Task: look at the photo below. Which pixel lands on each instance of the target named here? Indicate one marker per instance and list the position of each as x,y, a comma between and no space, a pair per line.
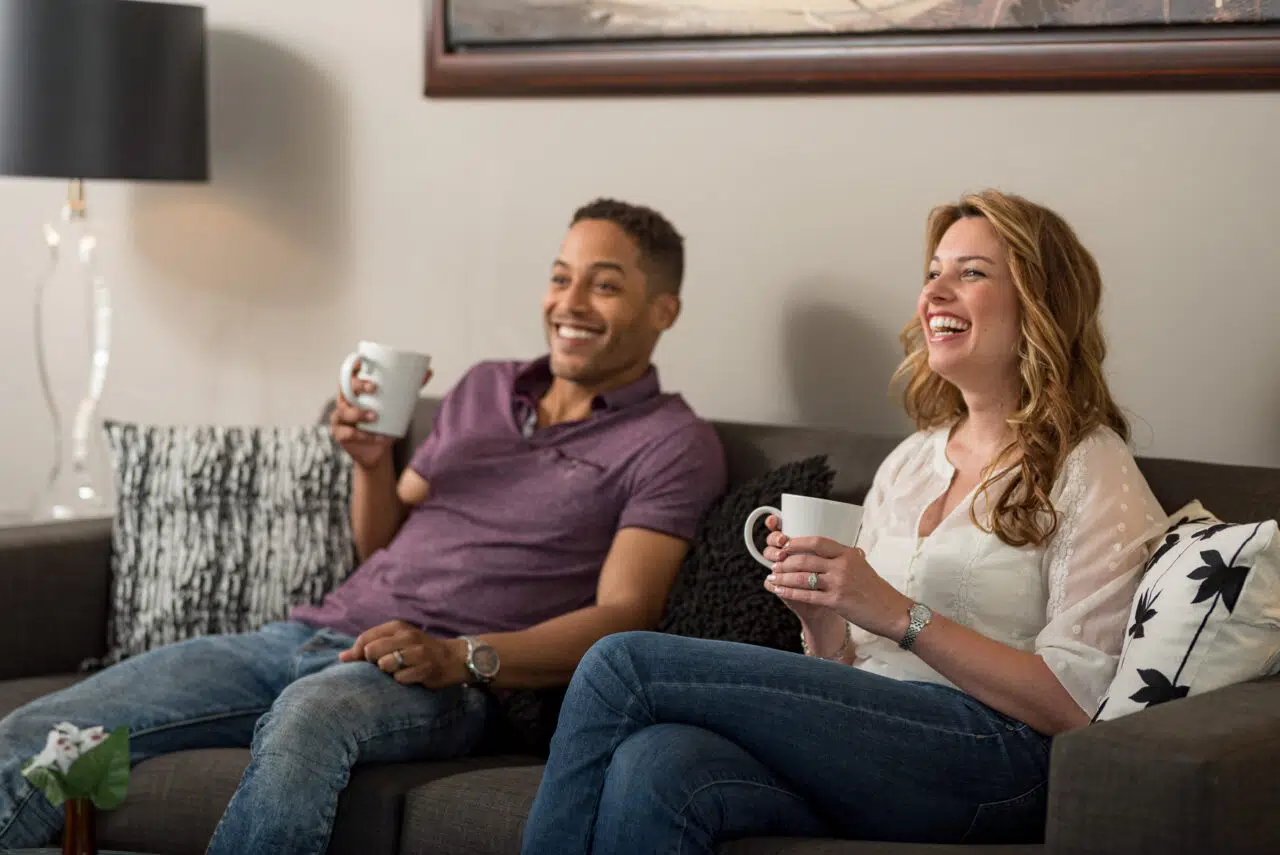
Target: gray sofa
1193,776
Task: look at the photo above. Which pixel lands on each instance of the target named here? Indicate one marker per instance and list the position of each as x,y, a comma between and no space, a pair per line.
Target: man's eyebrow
595,265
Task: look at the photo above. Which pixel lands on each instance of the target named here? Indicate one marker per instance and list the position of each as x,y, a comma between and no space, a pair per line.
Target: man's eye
560,280
607,286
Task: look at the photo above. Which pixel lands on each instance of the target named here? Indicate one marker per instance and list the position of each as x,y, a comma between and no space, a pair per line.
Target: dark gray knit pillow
719,592
222,529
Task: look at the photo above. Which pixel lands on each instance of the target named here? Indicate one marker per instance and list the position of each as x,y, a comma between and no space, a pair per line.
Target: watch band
920,616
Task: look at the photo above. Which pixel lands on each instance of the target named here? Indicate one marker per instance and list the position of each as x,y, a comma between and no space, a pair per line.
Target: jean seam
830,701
977,812
684,819
17,811
205,719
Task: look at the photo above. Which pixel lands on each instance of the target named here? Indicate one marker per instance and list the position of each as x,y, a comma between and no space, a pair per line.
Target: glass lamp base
72,369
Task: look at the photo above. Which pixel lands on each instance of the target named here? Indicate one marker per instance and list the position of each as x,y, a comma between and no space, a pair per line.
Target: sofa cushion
15,693
484,812
175,802
222,529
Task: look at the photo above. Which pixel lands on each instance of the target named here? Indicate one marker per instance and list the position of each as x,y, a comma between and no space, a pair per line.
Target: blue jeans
280,691
671,745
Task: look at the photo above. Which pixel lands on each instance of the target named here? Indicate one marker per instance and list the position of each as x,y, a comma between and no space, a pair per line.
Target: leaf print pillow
1206,614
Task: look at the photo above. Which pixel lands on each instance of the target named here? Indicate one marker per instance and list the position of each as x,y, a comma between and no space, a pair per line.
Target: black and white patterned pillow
222,529
1206,614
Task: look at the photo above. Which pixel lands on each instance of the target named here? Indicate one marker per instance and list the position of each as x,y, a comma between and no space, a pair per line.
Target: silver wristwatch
921,616
482,660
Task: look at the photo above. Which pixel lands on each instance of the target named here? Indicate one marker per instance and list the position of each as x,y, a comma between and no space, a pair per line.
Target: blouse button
1075,630
1116,547
1115,564
1124,470
1120,527
1124,506
1124,487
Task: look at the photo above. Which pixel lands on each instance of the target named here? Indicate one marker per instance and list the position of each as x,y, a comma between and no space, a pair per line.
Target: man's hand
366,449
431,662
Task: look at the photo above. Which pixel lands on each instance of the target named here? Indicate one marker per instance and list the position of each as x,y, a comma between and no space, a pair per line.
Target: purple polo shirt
518,521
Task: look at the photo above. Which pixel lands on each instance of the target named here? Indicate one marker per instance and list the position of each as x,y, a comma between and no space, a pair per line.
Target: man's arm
631,593
379,505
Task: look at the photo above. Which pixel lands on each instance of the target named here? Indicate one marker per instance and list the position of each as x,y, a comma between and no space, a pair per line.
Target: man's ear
664,310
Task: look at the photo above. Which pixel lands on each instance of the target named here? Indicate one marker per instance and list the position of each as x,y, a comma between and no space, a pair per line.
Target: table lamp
94,89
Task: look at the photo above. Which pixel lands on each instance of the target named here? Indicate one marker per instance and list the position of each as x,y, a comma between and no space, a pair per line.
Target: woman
981,614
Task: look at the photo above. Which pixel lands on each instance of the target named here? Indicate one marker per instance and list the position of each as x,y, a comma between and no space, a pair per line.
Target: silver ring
400,663
813,581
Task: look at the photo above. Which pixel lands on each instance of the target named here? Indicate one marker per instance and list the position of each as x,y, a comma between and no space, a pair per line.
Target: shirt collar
534,379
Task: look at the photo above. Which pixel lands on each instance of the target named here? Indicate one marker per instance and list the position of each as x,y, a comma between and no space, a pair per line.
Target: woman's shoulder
1101,462
1103,448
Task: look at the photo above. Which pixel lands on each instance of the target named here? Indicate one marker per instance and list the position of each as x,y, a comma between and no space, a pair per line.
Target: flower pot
78,835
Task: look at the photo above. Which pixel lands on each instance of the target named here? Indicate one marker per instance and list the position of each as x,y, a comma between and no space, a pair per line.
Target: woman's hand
824,630
816,573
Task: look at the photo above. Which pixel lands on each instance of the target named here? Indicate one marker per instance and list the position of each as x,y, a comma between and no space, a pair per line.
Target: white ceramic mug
805,516
398,375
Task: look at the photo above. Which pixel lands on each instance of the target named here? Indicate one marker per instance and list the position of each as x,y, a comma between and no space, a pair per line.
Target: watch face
485,661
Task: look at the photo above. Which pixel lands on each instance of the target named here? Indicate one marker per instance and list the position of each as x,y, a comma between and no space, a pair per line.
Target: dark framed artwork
574,47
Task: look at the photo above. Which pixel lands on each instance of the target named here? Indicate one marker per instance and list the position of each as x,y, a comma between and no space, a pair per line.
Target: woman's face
969,310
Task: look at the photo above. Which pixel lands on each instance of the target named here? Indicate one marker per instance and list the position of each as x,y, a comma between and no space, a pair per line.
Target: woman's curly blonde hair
1063,395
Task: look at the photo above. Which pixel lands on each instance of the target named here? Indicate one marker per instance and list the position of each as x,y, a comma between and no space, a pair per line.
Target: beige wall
344,204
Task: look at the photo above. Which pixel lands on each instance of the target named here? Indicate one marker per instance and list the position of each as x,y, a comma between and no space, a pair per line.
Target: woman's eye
972,273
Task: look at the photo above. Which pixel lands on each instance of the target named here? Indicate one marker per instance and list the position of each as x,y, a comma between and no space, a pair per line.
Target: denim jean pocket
1017,820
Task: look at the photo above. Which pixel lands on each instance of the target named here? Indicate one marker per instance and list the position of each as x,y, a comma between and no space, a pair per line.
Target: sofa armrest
55,583
1191,776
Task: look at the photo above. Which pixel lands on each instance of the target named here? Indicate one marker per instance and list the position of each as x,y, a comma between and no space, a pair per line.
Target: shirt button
1075,630
1124,470
1120,527
1124,487
1124,506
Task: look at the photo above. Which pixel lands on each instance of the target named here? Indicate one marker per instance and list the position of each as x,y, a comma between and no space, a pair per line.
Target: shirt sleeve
676,481
1108,519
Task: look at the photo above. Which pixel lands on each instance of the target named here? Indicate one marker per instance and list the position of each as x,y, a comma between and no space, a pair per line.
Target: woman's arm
1013,682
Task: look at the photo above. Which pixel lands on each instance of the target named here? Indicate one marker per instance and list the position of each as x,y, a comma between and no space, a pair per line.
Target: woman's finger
772,523
821,546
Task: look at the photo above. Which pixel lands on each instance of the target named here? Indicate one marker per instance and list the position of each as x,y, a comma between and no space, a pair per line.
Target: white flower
64,746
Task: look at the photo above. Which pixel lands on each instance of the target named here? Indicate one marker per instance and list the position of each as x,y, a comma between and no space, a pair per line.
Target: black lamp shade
103,89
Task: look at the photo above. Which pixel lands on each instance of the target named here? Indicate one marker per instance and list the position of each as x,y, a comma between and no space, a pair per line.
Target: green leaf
49,782
102,773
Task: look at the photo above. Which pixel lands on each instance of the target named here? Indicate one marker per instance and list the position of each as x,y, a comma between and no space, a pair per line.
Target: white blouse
1067,600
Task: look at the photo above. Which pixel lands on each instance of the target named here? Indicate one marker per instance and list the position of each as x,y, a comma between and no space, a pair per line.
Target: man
550,506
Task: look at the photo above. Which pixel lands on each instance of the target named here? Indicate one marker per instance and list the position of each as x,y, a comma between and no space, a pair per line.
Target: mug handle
748,531
344,378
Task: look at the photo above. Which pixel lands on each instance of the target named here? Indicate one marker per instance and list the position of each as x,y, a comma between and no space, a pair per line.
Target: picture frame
1209,56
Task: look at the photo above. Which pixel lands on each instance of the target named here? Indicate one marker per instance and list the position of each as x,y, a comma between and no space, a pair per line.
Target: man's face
601,321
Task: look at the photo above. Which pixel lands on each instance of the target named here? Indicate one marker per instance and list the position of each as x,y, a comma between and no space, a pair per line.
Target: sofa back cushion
1235,493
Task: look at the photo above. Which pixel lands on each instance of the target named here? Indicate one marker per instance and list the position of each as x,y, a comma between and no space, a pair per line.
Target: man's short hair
661,246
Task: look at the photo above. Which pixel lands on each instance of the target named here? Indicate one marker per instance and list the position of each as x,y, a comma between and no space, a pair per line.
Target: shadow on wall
840,368
271,227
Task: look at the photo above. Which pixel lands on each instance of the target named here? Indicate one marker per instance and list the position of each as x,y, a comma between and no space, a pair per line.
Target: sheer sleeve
1107,521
